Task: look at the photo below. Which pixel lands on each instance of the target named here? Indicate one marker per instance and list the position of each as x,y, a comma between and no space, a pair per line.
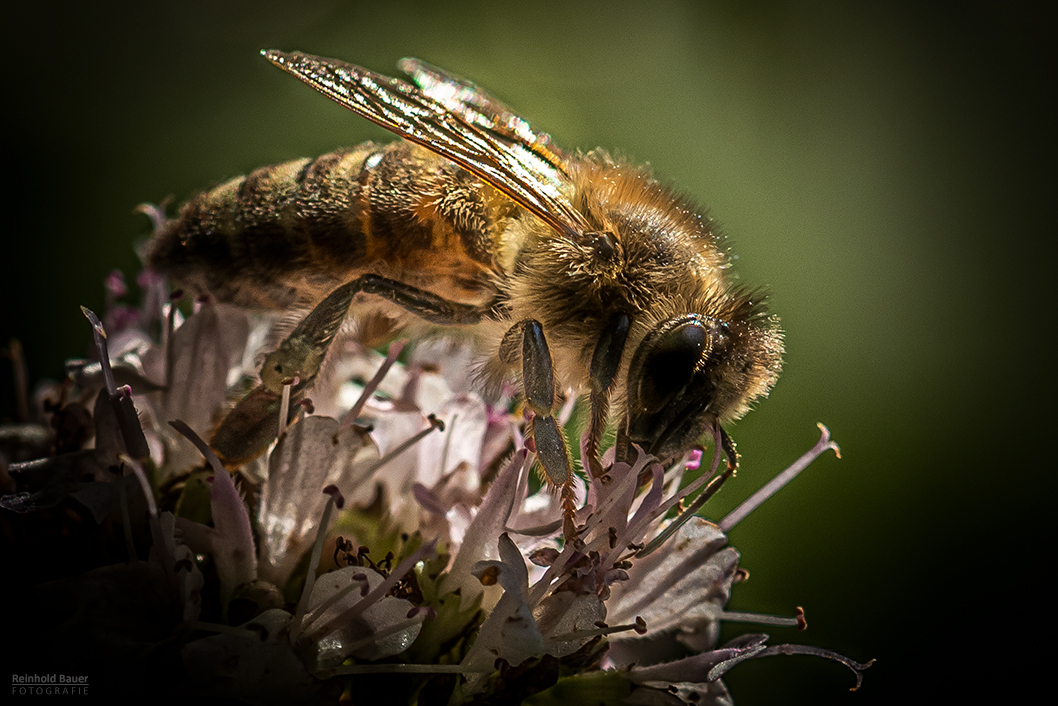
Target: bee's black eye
672,382
670,363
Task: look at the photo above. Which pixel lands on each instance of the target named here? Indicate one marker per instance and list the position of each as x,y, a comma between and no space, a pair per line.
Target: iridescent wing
478,107
456,120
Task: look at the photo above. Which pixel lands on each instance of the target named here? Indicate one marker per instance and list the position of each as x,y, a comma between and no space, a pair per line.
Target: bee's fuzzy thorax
660,259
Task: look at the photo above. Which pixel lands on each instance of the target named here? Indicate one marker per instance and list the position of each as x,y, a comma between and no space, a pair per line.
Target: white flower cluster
390,531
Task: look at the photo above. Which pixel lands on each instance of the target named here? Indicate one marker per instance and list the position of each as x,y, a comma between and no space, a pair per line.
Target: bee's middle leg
538,381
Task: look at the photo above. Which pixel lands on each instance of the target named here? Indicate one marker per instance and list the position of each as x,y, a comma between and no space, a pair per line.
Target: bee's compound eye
669,364
672,382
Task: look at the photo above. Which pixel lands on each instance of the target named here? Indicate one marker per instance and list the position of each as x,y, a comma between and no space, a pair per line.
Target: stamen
693,487
673,477
775,484
99,335
544,556
381,590
646,511
435,423
640,627
124,410
302,408
856,667
762,619
542,588
284,404
411,389
710,490
369,389
317,550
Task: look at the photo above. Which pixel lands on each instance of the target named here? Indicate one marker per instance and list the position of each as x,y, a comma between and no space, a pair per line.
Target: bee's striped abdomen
288,234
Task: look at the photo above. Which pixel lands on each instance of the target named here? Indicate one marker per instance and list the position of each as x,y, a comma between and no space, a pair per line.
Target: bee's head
693,371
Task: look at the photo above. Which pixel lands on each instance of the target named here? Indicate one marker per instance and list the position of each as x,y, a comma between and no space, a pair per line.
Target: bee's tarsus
538,381
551,448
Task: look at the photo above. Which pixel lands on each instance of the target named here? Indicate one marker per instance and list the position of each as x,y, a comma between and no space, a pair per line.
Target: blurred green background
881,169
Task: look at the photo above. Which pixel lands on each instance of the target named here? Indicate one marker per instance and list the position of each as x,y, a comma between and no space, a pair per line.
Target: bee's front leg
538,381
605,362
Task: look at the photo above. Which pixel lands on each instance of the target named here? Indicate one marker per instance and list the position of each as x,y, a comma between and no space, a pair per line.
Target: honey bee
568,270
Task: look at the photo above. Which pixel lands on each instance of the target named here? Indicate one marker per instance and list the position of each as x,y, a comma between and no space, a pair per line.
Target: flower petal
684,588
303,462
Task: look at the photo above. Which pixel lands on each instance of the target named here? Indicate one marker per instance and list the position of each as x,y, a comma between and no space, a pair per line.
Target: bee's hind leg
301,353
538,381
423,304
252,425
